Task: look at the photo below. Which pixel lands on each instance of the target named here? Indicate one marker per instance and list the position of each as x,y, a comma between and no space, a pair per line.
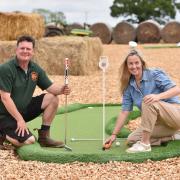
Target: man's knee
15,142
50,99
30,140
53,99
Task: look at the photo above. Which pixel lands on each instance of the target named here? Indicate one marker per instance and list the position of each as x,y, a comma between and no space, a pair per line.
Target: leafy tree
58,18
136,11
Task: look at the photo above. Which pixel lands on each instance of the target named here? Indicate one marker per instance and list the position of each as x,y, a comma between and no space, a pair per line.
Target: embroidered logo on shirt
34,76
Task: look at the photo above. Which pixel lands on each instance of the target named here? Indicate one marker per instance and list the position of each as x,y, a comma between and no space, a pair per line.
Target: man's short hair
26,38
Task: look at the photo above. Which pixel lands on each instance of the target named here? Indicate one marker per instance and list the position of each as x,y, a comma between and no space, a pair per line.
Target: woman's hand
151,98
108,142
111,139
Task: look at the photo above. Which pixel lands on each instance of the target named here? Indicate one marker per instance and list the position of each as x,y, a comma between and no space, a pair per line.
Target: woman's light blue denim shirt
154,81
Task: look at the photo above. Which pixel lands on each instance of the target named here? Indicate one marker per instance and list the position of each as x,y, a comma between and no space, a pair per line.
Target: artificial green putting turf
160,46
85,121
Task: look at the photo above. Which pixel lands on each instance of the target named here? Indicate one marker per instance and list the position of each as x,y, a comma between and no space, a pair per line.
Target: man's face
24,51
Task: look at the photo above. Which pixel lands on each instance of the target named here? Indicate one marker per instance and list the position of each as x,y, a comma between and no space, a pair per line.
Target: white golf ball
117,143
72,139
90,107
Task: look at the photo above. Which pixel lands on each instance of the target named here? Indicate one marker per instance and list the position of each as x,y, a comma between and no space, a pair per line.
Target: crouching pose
18,80
155,95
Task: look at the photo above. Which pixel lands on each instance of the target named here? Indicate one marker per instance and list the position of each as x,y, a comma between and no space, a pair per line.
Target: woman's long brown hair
124,72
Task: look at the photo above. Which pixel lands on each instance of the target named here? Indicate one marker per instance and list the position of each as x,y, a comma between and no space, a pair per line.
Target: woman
155,95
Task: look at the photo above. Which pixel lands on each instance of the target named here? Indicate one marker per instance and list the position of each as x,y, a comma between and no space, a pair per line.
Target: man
18,80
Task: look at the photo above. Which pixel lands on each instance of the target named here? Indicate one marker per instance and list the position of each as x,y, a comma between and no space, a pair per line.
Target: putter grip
66,77
66,71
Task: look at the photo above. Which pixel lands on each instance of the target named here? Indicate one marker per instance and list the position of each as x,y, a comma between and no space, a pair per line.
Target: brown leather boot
45,141
2,139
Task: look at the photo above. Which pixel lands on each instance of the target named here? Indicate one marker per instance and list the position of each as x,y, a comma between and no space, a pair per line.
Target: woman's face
134,65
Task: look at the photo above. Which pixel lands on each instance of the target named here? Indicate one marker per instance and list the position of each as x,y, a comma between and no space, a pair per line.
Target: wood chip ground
88,89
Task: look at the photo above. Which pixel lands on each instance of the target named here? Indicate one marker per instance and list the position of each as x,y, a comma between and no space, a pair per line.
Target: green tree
136,11
58,18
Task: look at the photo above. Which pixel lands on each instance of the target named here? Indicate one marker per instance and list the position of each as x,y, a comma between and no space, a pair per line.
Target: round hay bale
69,27
171,32
123,33
13,25
102,31
148,32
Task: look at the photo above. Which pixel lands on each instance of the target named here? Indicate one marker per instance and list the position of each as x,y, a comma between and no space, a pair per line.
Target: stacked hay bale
171,32
7,50
83,53
103,31
124,32
13,25
148,32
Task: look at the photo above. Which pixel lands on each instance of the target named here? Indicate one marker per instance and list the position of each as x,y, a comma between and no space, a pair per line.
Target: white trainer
176,136
139,147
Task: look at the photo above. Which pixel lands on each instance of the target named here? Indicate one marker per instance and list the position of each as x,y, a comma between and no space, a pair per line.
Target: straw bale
13,25
103,31
148,32
124,32
50,53
7,50
171,32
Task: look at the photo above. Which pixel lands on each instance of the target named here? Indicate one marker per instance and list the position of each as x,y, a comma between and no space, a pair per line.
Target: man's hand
65,90
21,128
151,98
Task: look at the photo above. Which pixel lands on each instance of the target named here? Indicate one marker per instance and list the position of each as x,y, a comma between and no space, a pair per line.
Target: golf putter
65,116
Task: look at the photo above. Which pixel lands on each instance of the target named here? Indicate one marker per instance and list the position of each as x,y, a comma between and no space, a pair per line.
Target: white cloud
75,10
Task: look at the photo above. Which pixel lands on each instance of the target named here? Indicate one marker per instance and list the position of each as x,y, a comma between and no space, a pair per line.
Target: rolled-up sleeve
43,81
127,103
162,80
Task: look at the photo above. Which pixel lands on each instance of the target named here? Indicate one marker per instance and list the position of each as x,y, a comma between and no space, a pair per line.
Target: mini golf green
161,46
85,122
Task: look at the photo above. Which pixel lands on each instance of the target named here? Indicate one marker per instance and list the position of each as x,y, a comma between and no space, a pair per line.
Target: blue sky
80,11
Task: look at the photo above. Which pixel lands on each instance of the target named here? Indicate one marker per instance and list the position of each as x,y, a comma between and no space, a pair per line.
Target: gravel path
87,89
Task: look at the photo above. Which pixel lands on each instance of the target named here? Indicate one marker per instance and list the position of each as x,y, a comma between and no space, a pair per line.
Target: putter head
67,148
107,146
